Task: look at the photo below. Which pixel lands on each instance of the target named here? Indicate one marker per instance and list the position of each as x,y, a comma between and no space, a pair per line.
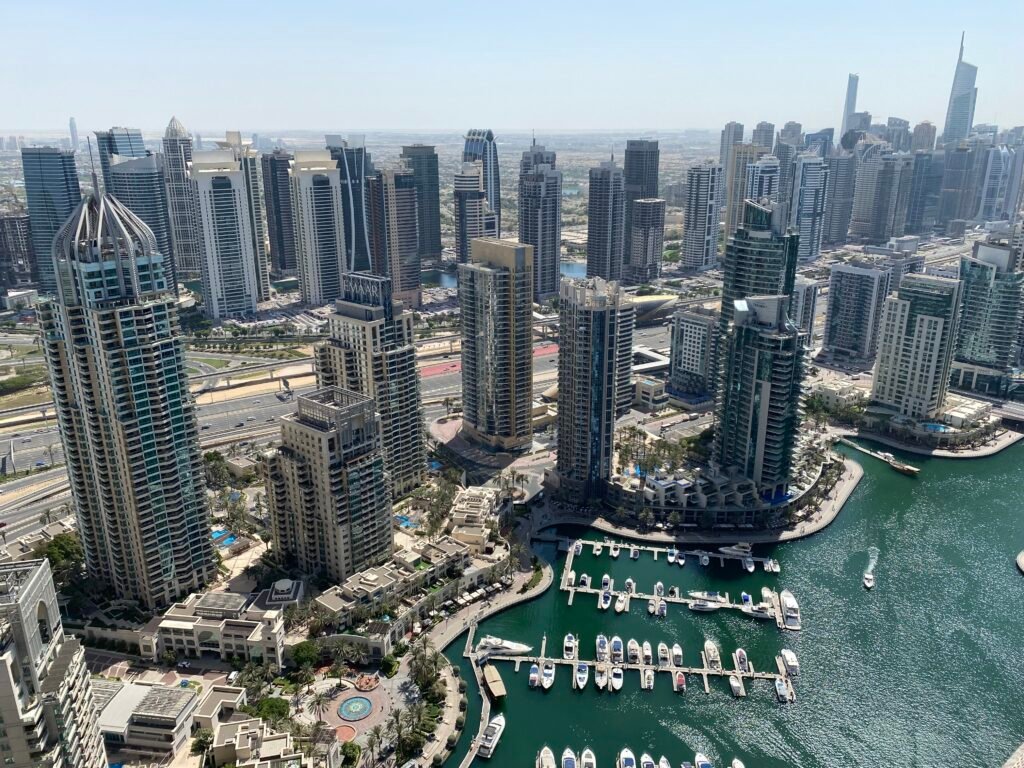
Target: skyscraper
763,179
701,224
52,192
856,293
998,191
962,97
140,183
394,232
694,350
73,130
127,420
126,142
646,237
372,351
820,142
786,155
731,134
473,215
327,491
807,206
481,146
595,360
355,166
319,226
496,305
605,221
758,412
956,196
46,699
916,339
792,133
248,162
17,259
839,195
185,237
882,196
540,217
923,137
925,188
850,103
277,194
764,135
421,159
639,181
736,182
897,133
803,304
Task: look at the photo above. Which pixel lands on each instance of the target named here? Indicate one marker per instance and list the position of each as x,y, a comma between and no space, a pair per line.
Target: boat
704,559
711,597
494,646
663,655
899,466
633,651
615,681
789,660
587,759
759,611
534,675
672,556
664,763
673,591
742,661
585,581
626,759
614,549
647,679
737,763
646,761
712,655
605,600
648,653
681,681
746,599
569,647
620,603
780,690
617,649
869,580
630,585
681,559
652,605
582,676
492,680
568,758
634,553
677,655
699,761
545,758
774,567
598,549
735,685
659,589
662,608
705,606
491,736
601,676
606,582
742,549
577,548
790,610
748,564
547,674
570,578
602,648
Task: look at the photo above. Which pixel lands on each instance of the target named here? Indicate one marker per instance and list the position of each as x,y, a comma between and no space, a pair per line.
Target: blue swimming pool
228,541
223,538
405,522
935,427
218,535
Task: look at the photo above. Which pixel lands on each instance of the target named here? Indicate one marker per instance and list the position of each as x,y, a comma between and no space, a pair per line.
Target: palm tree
307,674
319,704
374,738
396,724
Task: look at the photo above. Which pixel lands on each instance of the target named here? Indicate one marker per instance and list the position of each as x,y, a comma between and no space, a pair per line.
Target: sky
437,64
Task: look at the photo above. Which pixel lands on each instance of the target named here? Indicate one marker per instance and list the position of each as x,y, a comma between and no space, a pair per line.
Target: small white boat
620,603
737,763
585,581
781,691
759,611
647,679
582,676
652,605
577,548
613,550
704,559
789,660
681,681
664,763
648,652
869,581
634,553
534,675
601,646
677,655
700,761
568,758
790,610
659,589
774,565
681,559
630,585
672,556
547,674
735,685
601,676
491,736
545,758
646,761
633,651
663,655
662,608
570,578
742,550
712,654
618,649
606,582
495,646
748,564
711,597
705,606
615,681
626,759
742,661
598,549
604,601
569,647
587,759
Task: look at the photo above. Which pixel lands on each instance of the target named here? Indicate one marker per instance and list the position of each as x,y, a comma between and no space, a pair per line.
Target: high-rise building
372,351
997,194
694,351
481,146
318,225
820,142
540,217
248,162
808,201
185,236
792,133
860,121
764,135
962,98
355,166
925,188
882,196
786,155
595,359
52,193
701,223
73,130
473,215
17,260
923,137
126,142
763,180
394,232
50,717
277,194
230,284
736,182
839,196
897,133
803,305
646,238
856,293
496,306
421,159
988,342
639,181
140,183
850,103
731,134
916,339
327,491
758,411
605,221
127,420
956,197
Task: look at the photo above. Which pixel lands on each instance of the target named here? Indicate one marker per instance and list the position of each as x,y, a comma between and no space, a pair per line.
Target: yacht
582,676
620,603
677,655
601,677
569,647
712,655
774,567
577,548
646,761
647,679
545,758
604,602
737,763
759,611
664,763
630,585
748,564
681,559
585,581
617,649
659,589
648,654
699,761
663,655
626,759
570,578
492,734
742,661
735,685
606,582
681,681
615,682
790,610
602,648
534,675
780,690
633,651
742,550
613,550
790,662
495,646
662,609
652,605
587,759
869,580
598,549
705,606
547,675
704,559
634,553
672,556
711,597
568,758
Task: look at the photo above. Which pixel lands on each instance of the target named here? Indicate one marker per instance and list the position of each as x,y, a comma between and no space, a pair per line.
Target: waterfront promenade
1001,442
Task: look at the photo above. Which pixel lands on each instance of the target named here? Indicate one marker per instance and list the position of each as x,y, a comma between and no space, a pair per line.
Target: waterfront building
372,351
126,142
355,166
140,183
540,217
731,134
849,103
319,228
17,259
595,359
496,305
185,234
473,215
962,98
605,221
47,706
803,305
839,195
702,224
758,410
736,182
421,159
807,206
916,339
115,356
642,262
639,182
394,232
248,162
856,294
327,492
148,719
52,193
923,137
481,147
882,196
280,216
764,135
694,346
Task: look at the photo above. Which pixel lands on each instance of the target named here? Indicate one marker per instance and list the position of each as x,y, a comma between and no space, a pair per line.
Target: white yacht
789,660
534,675
699,761
748,564
614,549
705,606
585,581
582,676
647,679
646,761
759,611
495,646
570,578
492,734
618,650
681,681
634,553
652,605
681,559
711,597
601,676
568,758
663,655
664,763
547,675
648,654
742,661
630,585
742,550
781,690
615,681
672,556
704,559
662,608
659,589
602,648
577,548
620,602
626,759
790,610
677,655
569,647
606,582
712,654
604,600
587,759
735,685
598,549
633,651
545,758
737,763
869,580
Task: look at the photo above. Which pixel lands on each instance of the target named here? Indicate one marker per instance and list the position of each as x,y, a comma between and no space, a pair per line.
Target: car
240,424
184,664
205,426
271,420
232,677
3,524
251,418
26,439
40,463
256,402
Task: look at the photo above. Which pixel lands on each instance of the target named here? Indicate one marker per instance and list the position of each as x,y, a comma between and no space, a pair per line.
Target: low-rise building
836,394
649,394
144,719
20,299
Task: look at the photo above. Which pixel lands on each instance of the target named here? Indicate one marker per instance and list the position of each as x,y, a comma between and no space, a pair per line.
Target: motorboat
626,759
617,649
545,758
737,763
534,675
673,591
711,597
735,685
568,758
705,606
602,648
646,761
781,690
664,763
659,589
648,652
742,661
681,559
620,602
577,548
746,599
585,581
662,609
633,651
790,610
634,553
587,759
614,549
601,676
494,646
647,679
774,566
604,602
570,578
598,549
569,647
869,580
582,676
789,660
741,550
630,585
699,761
672,556
704,559
663,655
491,736
606,582
712,654
748,564
681,681
759,611
652,605
615,681
547,674
677,655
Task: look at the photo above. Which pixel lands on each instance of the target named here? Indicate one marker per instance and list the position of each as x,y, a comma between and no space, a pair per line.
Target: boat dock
568,545
888,458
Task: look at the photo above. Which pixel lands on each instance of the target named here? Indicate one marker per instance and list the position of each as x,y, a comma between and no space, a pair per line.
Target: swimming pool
218,535
405,522
223,538
935,427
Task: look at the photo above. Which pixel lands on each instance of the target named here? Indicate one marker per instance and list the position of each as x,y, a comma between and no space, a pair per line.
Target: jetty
888,458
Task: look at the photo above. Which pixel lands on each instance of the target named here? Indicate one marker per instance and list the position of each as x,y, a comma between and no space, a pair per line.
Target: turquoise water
923,671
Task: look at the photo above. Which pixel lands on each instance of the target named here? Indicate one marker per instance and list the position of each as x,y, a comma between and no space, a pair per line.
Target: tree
374,741
351,751
306,654
273,709
216,468
319,704
646,518
397,724
66,556
202,741
674,518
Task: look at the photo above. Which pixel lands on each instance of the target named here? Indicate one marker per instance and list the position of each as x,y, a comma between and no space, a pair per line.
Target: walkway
1001,442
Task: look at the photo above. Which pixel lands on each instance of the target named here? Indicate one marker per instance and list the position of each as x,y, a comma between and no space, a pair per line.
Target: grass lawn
213,362
33,396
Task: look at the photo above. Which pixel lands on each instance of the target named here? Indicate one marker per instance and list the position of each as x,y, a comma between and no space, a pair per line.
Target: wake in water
872,560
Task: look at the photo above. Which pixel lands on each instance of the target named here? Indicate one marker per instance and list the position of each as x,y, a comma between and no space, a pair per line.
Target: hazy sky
516,65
